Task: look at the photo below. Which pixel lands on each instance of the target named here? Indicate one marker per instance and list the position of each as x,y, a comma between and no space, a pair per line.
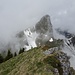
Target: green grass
27,63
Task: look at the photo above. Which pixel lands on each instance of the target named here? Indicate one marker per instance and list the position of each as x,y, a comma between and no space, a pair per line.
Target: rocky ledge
59,60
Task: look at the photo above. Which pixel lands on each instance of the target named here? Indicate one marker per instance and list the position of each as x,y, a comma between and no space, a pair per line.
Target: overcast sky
16,15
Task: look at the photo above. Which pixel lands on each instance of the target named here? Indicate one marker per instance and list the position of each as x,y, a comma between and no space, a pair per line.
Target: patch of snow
27,47
30,38
45,35
70,52
51,40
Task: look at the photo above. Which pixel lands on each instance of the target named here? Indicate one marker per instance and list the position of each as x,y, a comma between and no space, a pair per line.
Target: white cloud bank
16,15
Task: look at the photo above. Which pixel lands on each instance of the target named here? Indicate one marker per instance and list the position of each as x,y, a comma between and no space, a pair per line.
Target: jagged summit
44,25
46,17
38,34
44,30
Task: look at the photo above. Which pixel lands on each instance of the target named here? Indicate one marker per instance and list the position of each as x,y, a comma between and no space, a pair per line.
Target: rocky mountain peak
44,25
44,30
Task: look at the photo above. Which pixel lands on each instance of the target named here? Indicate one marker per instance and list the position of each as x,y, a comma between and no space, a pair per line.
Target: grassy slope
27,63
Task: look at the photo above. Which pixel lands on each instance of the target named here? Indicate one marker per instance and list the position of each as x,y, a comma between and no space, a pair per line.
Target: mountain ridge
33,62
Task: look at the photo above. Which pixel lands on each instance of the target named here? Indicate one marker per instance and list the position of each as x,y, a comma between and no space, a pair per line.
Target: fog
16,15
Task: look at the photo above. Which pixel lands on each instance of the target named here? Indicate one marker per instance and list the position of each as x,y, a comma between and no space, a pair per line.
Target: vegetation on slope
27,63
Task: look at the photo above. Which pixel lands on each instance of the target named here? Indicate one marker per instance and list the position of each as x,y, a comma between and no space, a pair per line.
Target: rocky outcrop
65,64
44,30
44,25
62,67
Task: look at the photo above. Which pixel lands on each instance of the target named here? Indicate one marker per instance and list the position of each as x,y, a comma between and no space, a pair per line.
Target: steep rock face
44,30
44,25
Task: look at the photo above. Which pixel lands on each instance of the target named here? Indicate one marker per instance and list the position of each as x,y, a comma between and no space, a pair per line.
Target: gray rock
63,58
44,30
44,25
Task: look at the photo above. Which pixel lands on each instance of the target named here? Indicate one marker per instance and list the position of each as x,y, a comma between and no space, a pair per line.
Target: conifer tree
9,55
21,50
15,54
1,58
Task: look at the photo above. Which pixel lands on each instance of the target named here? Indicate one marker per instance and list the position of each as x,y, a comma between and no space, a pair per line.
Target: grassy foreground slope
27,63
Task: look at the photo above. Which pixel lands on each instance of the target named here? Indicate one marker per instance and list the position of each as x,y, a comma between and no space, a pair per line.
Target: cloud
16,15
